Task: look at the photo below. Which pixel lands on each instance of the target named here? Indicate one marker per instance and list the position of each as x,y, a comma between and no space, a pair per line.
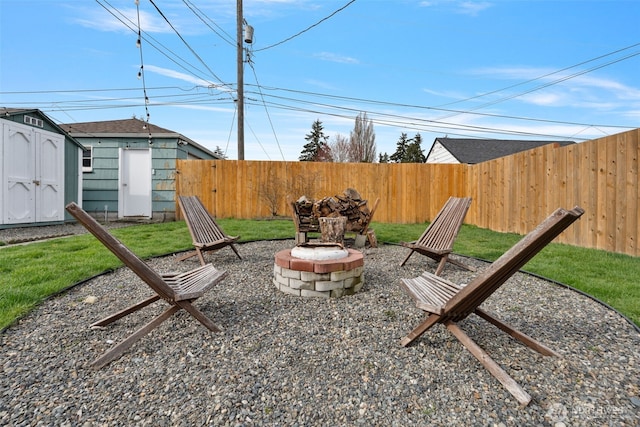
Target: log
349,205
332,229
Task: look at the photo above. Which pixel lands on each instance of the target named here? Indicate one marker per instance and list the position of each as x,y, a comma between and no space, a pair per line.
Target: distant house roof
471,151
127,128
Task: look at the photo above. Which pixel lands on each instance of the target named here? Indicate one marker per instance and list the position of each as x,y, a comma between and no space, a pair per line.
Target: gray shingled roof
119,127
133,127
471,151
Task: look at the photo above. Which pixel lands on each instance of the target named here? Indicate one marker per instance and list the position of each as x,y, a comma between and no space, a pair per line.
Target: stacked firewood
349,204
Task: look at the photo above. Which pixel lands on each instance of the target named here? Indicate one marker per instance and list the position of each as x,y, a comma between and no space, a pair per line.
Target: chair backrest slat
201,224
486,283
131,260
443,230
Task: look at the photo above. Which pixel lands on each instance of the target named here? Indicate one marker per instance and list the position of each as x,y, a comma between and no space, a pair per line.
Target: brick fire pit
326,278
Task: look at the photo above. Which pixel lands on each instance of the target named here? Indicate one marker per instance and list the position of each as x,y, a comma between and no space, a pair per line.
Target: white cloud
184,77
334,57
549,88
543,99
321,84
472,8
446,94
125,20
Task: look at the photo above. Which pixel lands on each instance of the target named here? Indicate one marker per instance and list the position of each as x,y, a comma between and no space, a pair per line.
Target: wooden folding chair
437,240
180,290
205,231
448,303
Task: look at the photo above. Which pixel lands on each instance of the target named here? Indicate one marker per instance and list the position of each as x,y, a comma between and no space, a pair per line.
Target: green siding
72,155
100,187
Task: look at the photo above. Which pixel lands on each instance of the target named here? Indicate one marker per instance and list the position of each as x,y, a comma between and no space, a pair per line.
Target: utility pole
240,91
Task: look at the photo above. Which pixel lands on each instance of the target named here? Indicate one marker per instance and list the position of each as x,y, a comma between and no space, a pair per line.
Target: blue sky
479,69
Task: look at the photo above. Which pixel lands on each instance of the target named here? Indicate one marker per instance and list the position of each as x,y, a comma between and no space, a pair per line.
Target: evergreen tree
383,158
402,146
316,143
414,153
219,153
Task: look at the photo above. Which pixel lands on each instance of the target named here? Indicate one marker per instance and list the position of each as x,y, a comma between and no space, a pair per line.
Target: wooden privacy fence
510,194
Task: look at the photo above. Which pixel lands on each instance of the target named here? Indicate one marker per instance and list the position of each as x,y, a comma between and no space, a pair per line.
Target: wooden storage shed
40,169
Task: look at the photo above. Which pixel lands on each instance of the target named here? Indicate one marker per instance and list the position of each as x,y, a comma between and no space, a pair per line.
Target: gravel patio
290,361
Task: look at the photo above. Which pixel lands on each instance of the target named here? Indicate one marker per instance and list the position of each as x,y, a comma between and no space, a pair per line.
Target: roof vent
34,121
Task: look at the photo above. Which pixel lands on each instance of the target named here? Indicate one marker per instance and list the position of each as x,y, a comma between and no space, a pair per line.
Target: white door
135,183
49,187
18,158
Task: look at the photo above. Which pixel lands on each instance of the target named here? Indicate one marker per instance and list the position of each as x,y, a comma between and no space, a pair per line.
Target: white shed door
50,182
18,157
135,183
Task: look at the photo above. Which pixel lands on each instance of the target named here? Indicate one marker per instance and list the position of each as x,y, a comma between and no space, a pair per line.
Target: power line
308,28
422,107
412,122
266,110
197,12
184,41
150,40
554,82
450,111
386,119
261,93
541,77
206,99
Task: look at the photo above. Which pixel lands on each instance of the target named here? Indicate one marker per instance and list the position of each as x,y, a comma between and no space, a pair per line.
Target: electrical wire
541,77
197,12
266,110
422,107
546,85
184,41
258,141
233,120
208,99
308,28
151,41
382,118
414,123
455,112
296,104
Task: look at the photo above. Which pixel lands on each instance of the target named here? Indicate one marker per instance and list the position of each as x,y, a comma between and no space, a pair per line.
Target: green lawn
30,273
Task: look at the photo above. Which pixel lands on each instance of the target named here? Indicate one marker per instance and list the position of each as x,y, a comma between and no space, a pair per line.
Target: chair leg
523,338
407,258
500,374
199,315
200,256
116,351
235,250
461,265
431,320
187,256
126,311
441,264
